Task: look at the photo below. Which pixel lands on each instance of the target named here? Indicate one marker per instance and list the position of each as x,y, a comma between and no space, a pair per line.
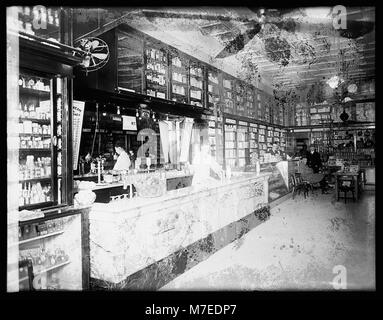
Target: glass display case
40,140
282,141
250,104
156,71
179,80
197,82
253,141
259,107
228,95
50,257
262,144
213,88
240,99
230,143
243,144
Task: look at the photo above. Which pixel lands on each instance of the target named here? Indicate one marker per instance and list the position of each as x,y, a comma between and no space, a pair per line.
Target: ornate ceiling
283,49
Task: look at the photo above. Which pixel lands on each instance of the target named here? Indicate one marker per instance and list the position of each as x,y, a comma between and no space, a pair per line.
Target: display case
156,71
243,144
282,141
250,104
231,143
197,84
180,80
262,144
253,142
215,140
213,95
40,153
228,94
240,98
130,62
259,107
40,140
269,137
52,252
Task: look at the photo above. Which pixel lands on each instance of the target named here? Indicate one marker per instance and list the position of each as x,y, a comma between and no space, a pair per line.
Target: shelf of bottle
155,86
41,121
35,205
47,269
183,70
35,92
24,150
52,234
38,179
159,61
155,72
41,135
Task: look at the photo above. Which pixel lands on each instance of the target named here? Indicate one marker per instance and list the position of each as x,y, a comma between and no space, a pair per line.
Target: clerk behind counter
277,153
123,160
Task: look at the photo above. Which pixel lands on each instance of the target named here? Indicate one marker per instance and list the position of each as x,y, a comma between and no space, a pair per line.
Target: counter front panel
133,240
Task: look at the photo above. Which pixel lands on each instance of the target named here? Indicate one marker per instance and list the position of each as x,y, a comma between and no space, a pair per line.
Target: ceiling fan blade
101,56
95,44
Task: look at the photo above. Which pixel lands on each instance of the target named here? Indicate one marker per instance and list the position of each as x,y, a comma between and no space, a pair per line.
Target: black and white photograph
196,148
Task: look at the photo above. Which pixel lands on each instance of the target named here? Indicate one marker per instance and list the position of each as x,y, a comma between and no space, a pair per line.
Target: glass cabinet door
40,142
35,137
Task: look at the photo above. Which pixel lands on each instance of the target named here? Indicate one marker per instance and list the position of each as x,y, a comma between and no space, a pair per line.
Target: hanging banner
77,118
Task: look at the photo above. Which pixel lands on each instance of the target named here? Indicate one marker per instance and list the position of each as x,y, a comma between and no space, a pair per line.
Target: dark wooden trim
85,249
54,214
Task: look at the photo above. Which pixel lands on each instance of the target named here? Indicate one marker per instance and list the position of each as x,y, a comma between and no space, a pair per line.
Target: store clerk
123,160
276,152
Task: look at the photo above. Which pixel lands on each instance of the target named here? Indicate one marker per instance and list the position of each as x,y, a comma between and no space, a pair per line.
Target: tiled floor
297,248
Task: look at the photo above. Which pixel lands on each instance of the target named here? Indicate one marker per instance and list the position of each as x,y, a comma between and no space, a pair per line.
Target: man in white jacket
123,160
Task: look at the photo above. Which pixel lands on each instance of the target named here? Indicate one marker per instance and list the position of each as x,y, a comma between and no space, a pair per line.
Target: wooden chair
346,184
300,184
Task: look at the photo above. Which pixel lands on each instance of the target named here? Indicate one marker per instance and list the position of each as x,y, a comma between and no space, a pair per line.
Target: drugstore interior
254,90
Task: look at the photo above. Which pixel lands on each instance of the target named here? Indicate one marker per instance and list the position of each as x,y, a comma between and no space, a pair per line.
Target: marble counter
127,236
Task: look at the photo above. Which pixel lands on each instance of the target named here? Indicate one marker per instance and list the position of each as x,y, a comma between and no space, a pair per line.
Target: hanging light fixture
334,81
137,114
352,88
167,117
118,110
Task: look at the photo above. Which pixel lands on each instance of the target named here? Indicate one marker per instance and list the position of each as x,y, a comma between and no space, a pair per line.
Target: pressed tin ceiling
283,48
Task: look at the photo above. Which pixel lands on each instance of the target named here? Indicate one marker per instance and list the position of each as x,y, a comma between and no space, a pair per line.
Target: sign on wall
129,123
77,118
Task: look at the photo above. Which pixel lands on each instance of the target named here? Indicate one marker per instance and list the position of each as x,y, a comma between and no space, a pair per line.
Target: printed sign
77,118
232,121
129,123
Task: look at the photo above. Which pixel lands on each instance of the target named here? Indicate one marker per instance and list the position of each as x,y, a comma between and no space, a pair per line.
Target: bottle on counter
257,167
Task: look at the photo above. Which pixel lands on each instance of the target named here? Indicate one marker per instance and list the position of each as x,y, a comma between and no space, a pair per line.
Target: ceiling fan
95,53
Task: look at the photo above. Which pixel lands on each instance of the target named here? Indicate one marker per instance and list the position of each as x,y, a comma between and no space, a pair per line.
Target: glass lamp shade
352,88
334,82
